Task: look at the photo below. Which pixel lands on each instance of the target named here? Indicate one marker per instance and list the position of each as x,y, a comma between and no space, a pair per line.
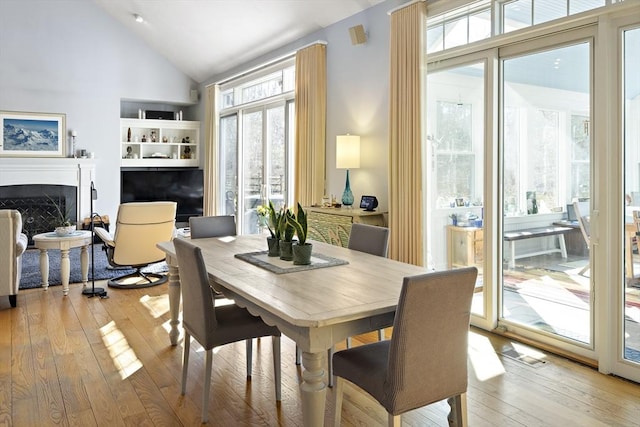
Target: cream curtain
211,152
311,111
405,134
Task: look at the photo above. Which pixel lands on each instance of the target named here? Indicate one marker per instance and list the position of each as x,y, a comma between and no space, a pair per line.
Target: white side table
46,241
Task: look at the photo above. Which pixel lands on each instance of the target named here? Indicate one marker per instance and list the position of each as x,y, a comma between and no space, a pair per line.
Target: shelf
176,143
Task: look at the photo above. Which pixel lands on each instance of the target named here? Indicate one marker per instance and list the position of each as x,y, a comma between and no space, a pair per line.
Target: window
256,130
472,22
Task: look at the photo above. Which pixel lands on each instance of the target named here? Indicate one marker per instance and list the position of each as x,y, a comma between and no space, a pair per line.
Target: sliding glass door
629,348
456,117
545,135
264,162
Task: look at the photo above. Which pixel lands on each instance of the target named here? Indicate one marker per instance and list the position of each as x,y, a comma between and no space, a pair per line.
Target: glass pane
229,162
269,86
577,6
632,195
455,127
289,79
276,152
480,26
546,167
455,33
548,10
435,38
516,15
252,170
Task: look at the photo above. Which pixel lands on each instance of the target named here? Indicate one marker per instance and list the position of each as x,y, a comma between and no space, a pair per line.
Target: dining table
342,293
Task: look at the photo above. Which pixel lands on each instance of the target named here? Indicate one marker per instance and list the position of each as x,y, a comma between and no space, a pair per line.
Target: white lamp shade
347,152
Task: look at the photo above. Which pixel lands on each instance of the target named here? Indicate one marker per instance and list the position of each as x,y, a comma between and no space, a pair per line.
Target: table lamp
347,157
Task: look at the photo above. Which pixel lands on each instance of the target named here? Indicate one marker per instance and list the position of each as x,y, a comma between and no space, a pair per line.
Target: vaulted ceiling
206,37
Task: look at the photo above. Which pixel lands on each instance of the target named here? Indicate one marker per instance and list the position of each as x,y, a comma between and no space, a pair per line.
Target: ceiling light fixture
138,17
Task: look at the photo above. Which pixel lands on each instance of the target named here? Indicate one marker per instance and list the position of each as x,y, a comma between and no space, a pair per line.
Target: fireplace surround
29,184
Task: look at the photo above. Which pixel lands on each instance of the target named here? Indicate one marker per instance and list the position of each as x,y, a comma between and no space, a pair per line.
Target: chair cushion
21,244
237,323
365,366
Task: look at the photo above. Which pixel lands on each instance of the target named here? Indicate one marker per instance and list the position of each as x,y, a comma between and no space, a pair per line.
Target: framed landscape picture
25,134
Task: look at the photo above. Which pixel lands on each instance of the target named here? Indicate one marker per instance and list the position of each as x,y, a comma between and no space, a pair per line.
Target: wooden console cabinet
333,225
464,246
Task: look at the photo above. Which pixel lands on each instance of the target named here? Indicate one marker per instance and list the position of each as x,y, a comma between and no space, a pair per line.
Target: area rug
31,277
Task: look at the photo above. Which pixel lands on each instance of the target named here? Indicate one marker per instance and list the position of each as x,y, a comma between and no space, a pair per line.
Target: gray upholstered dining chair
425,360
373,240
214,326
212,226
202,227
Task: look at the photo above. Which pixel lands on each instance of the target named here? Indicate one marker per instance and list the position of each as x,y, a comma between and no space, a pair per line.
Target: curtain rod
266,64
402,6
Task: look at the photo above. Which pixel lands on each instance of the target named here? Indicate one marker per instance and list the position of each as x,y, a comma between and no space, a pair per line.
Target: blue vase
347,196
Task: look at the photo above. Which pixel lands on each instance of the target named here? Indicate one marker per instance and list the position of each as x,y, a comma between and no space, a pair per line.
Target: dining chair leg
458,415
277,371
330,364
207,385
337,403
394,421
298,355
380,334
185,361
249,357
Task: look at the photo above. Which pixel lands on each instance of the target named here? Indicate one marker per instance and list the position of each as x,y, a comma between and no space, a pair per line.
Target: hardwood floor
82,361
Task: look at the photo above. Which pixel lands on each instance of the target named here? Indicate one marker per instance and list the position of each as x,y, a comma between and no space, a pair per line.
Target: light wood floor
88,361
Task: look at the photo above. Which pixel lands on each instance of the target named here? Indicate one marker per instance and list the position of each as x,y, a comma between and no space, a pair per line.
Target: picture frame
26,134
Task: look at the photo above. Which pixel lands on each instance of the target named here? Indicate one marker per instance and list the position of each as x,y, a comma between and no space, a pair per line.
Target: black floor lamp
93,291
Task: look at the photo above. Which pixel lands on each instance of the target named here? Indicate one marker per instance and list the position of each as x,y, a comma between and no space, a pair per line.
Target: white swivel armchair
13,243
139,228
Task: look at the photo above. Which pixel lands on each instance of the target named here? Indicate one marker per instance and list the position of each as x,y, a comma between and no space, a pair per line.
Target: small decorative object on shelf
154,137
129,135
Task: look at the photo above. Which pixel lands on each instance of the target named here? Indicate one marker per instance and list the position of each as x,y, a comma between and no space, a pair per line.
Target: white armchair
13,243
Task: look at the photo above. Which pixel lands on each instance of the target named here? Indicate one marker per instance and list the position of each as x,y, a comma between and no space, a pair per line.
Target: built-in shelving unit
158,143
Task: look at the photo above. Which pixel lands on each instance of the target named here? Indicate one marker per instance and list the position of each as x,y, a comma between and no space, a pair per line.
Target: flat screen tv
185,186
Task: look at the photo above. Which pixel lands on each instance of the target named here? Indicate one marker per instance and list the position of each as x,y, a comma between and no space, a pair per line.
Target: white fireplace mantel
78,173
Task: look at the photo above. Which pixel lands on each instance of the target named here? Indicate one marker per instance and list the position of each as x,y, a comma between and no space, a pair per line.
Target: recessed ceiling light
138,17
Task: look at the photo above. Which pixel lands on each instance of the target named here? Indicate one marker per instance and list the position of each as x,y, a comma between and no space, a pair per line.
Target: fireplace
39,204
34,186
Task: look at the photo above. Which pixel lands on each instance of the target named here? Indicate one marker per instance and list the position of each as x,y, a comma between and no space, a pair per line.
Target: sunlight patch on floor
123,356
157,305
485,362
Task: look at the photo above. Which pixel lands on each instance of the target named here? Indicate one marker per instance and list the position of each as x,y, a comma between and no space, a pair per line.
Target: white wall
71,57
357,97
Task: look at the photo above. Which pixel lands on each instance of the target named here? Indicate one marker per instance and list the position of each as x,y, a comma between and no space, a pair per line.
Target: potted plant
62,222
286,234
302,249
273,241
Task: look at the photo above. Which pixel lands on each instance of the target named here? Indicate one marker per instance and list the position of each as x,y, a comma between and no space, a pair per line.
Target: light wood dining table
316,308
